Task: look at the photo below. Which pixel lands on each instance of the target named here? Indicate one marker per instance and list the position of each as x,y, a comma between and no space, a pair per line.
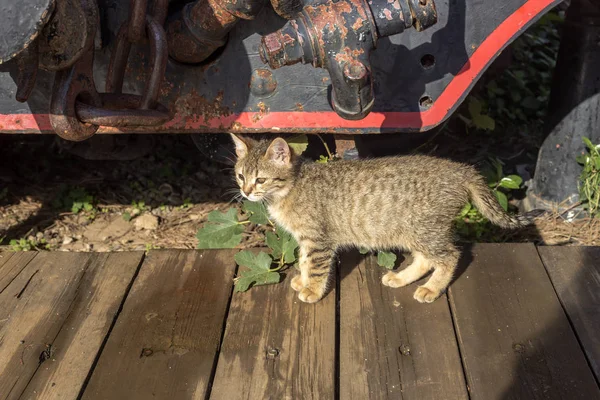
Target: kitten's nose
247,190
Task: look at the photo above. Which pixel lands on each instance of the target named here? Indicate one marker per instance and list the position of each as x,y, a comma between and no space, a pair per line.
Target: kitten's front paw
297,283
425,295
392,279
308,296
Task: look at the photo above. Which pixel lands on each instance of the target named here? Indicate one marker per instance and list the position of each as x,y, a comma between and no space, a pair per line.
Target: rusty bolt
355,71
262,83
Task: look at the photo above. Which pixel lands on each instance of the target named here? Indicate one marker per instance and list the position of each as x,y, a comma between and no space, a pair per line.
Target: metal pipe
202,27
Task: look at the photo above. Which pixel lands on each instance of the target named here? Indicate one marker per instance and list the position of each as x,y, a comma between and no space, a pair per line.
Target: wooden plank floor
519,322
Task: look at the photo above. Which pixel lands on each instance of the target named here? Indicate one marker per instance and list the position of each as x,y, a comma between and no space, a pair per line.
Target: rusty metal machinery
237,65
339,36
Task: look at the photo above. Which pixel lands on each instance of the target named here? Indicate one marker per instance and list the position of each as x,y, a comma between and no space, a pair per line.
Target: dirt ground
53,199
158,200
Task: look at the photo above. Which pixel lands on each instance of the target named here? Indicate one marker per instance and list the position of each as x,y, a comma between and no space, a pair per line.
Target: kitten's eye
241,177
260,181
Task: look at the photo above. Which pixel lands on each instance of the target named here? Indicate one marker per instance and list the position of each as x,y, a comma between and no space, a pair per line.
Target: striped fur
386,203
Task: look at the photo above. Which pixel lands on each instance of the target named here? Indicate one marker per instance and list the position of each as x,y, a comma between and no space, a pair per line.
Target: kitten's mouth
252,197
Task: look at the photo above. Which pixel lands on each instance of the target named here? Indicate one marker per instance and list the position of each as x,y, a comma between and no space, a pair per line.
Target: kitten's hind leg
443,272
415,271
315,267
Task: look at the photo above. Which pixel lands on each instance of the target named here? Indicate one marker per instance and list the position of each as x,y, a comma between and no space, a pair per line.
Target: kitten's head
264,170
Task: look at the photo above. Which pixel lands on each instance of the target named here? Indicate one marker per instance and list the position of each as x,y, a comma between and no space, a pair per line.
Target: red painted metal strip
329,120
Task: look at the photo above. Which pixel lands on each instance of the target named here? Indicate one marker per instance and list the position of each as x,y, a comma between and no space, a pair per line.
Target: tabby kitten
386,203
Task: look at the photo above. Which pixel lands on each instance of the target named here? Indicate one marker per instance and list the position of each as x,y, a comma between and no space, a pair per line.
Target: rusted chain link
85,109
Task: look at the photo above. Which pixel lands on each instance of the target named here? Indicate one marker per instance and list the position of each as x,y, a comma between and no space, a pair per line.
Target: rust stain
388,14
262,111
358,24
299,107
347,54
194,107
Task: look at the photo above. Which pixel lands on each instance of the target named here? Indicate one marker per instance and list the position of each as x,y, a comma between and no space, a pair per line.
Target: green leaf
502,199
323,160
511,182
386,259
465,210
363,250
516,178
298,143
484,122
257,210
588,143
474,107
222,231
282,243
127,216
258,272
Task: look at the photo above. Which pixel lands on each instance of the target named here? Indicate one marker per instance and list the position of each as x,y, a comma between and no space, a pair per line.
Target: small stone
146,221
67,240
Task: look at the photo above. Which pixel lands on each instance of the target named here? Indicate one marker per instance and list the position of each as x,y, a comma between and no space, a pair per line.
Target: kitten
405,202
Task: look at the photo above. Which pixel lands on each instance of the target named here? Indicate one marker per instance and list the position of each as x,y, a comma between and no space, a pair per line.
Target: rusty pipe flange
68,34
121,110
202,27
158,54
70,85
394,17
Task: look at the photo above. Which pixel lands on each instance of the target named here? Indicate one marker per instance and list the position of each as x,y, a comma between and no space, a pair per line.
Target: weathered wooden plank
575,274
99,296
277,347
11,264
35,304
4,257
391,346
166,338
515,339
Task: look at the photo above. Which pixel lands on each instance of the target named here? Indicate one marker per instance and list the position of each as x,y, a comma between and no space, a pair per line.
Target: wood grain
36,303
99,296
575,274
277,347
515,339
11,265
391,346
166,338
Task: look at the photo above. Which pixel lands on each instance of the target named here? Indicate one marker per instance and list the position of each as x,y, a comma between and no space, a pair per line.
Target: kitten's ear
241,147
279,152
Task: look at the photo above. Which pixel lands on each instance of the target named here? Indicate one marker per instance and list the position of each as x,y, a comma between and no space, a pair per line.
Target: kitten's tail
487,203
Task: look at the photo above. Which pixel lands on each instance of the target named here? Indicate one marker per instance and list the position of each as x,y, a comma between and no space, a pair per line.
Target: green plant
76,199
137,207
477,118
150,246
520,94
28,244
187,203
470,223
589,180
